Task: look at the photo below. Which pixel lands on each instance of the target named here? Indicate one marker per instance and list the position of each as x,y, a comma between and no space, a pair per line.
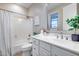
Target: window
54,19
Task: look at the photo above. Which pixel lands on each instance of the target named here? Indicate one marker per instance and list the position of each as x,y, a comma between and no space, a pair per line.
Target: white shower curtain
8,31
5,38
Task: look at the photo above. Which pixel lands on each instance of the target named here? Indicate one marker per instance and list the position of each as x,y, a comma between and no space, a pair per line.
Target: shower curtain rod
13,12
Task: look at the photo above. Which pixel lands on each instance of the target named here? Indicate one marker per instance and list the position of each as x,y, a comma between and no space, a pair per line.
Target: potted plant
74,24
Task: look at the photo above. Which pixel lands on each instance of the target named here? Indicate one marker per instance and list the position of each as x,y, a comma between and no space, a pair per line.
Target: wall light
20,20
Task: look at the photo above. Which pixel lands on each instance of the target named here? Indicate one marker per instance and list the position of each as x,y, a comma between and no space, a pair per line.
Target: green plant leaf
71,29
67,20
73,22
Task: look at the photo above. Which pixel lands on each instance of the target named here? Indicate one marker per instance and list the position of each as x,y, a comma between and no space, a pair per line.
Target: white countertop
52,39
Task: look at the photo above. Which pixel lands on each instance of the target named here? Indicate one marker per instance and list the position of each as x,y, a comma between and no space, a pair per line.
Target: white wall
68,12
39,10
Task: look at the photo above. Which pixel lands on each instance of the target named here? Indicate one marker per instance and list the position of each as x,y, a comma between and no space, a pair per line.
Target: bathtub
23,48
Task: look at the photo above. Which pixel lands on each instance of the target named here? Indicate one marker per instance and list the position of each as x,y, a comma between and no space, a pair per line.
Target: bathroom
23,26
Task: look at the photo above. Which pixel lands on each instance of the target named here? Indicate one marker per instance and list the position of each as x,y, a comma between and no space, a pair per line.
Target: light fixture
20,20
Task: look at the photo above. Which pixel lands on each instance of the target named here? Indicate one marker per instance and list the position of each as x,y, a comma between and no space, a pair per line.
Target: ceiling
49,5
54,5
25,5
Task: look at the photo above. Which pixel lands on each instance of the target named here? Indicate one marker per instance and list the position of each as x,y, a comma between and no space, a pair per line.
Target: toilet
26,50
22,50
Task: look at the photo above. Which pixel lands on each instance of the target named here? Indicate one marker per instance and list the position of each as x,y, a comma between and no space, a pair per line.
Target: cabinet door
43,52
57,51
35,50
35,41
45,45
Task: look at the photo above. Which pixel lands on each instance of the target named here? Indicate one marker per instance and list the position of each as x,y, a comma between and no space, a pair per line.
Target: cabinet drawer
35,50
57,51
35,54
35,41
45,45
43,52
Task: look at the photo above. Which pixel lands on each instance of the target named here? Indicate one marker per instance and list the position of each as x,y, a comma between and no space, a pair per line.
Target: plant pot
75,37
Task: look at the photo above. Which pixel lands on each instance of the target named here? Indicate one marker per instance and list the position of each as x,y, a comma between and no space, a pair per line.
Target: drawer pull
56,55
34,48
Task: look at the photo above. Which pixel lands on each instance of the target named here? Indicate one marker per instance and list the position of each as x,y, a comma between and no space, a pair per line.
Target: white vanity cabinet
58,51
42,48
35,47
